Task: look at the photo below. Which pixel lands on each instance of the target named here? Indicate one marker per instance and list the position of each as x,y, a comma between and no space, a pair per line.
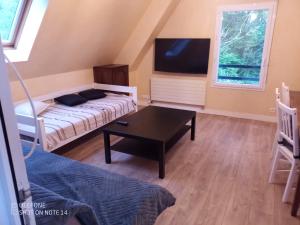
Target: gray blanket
93,195
51,208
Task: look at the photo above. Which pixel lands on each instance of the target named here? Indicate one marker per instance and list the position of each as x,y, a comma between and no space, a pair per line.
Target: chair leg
274,166
290,182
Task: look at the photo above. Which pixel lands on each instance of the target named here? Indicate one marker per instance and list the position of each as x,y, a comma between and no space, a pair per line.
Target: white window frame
271,6
28,32
13,175
20,17
7,189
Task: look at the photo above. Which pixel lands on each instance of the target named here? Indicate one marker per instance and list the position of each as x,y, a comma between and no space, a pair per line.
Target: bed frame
26,124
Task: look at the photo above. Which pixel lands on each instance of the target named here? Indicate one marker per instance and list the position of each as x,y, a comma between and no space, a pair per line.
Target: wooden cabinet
115,74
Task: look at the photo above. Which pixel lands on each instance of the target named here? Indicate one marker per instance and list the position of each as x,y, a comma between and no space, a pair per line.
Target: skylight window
11,16
20,21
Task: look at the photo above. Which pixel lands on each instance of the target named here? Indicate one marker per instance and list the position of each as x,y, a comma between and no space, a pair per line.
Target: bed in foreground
92,195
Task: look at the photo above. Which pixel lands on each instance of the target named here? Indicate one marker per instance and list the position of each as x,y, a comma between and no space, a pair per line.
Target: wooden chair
288,148
276,138
277,93
285,94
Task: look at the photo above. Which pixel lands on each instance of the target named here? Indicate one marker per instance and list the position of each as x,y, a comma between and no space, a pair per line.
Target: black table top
152,122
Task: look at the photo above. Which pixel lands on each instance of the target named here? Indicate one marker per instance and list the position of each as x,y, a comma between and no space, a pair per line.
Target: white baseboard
249,116
201,109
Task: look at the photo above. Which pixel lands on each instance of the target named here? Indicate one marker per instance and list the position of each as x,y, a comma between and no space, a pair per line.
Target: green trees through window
9,13
241,46
242,43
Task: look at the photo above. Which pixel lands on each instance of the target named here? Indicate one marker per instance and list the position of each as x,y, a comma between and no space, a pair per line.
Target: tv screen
182,55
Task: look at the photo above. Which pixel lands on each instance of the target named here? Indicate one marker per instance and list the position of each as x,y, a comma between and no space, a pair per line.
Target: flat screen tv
181,55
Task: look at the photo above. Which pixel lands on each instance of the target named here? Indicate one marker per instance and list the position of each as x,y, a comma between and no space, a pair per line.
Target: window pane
241,46
8,13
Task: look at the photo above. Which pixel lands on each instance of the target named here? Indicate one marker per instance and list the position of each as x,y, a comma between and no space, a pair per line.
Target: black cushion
92,94
71,100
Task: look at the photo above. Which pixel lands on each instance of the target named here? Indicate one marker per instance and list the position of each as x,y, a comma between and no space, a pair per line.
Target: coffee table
150,133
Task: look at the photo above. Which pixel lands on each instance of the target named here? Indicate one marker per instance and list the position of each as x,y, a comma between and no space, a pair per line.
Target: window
11,15
242,45
29,15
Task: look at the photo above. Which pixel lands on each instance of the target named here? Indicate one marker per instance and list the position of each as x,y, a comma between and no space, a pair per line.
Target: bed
60,124
89,195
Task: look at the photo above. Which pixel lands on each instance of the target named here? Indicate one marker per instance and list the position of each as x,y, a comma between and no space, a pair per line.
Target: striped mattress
64,122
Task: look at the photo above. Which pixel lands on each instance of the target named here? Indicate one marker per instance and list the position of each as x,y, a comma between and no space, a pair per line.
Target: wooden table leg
296,202
161,160
107,147
193,128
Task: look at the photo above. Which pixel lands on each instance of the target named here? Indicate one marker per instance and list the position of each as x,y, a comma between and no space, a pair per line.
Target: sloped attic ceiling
80,34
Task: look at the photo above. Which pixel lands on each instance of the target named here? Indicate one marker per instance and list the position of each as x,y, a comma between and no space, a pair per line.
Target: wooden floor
220,178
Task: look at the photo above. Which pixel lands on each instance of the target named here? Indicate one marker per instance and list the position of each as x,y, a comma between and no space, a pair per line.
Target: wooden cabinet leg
107,147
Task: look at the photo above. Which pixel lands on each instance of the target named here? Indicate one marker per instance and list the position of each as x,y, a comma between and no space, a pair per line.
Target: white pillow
25,108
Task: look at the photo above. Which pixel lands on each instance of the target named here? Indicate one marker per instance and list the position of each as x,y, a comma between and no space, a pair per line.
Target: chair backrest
288,126
277,97
277,93
285,94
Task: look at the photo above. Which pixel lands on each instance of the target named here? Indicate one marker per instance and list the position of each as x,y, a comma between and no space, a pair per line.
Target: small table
150,133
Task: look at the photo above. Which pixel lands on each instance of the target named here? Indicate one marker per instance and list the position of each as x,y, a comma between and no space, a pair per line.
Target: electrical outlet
272,109
146,97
